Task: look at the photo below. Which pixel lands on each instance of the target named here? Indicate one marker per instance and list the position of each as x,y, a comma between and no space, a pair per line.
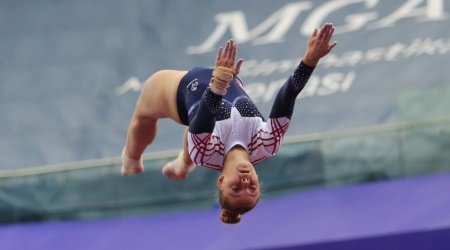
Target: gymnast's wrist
218,88
310,60
220,80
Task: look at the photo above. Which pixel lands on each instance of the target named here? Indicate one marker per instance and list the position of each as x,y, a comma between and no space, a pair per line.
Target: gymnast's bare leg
156,101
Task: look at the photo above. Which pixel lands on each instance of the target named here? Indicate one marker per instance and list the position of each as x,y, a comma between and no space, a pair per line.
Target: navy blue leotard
217,123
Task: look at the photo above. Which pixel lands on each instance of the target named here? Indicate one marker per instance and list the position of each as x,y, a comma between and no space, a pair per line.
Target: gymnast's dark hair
230,214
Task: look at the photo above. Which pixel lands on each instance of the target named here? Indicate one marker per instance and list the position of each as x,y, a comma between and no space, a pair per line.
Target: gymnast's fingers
233,54
237,68
219,56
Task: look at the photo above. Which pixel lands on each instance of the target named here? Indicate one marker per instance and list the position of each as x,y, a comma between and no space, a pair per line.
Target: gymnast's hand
227,57
319,44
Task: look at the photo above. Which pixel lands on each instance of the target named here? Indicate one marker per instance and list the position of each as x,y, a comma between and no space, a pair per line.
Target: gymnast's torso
237,122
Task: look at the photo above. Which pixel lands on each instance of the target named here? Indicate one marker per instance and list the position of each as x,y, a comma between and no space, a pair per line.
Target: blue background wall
70,71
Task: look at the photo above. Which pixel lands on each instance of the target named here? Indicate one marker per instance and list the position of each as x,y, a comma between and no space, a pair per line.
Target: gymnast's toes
170,172
131,170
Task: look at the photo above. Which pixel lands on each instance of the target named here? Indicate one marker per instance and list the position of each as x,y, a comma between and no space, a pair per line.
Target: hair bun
229,217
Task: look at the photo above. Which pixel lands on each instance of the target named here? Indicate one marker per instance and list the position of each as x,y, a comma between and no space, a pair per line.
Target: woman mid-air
224,129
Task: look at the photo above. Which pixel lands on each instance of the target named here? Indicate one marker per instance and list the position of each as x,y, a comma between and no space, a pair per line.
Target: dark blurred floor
383,215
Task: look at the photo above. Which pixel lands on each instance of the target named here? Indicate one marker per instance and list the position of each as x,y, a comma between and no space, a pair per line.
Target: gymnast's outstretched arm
283,107
226,69
318,46
201,126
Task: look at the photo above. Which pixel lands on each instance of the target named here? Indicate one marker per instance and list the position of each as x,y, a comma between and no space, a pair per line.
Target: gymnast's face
240,185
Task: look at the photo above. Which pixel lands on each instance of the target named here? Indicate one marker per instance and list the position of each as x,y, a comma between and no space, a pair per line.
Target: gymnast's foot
131,166
177,169
171,171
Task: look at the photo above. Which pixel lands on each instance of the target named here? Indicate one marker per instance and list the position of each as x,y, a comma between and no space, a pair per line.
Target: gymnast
224,129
